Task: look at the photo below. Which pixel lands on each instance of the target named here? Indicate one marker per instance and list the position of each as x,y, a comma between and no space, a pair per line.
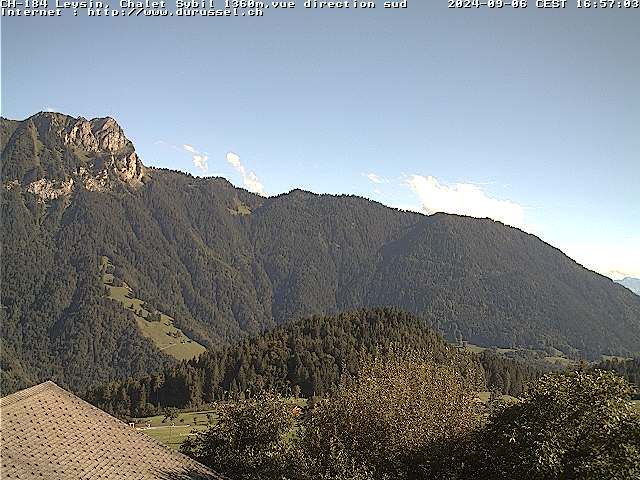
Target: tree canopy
406,418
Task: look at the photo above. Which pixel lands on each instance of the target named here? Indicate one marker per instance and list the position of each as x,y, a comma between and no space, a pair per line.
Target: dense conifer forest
227,265
305,358
628,368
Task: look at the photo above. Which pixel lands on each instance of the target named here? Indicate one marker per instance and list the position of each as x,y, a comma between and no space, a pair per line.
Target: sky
530,117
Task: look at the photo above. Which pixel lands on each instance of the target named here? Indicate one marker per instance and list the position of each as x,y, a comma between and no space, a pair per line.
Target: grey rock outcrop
103,157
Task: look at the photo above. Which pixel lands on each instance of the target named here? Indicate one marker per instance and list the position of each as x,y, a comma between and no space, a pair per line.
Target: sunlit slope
223,263
153,324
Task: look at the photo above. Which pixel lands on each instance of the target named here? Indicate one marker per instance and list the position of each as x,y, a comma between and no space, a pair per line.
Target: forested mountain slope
632,284
307,357
223,262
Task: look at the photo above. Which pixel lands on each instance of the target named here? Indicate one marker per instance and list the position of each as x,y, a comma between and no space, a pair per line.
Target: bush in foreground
407,419
385,421
578,425
253,438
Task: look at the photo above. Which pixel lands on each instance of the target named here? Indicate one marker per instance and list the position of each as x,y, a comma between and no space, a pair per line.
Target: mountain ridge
226,263
631,283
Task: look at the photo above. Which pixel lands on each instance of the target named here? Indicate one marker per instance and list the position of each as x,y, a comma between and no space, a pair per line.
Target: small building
49,433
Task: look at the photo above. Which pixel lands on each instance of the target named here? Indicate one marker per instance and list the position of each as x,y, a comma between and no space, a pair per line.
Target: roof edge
28,392
203,472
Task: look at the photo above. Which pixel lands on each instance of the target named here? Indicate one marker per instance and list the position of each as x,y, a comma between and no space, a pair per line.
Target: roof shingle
49,433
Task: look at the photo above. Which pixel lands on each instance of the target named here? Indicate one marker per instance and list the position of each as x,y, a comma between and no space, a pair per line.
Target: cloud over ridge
249,178
463,199
199,159
375,178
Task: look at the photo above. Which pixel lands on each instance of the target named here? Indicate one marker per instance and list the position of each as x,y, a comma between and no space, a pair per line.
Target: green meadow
155,325
173,432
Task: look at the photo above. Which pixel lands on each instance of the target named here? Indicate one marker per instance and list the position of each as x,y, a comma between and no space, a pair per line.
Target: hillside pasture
155,325
557,360
173,432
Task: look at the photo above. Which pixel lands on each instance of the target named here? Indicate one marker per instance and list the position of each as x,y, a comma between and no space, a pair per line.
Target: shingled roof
49,433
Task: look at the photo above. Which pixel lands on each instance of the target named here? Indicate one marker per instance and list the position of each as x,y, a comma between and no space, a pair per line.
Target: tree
170,413
577,425
253,438
388,419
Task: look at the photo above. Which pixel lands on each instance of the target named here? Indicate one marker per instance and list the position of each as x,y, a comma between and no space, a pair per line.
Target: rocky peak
93,153
108,134
81,135
99,135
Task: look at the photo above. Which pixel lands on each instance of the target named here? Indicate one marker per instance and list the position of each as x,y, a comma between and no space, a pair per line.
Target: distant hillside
307,357
632,284
224,263
628,368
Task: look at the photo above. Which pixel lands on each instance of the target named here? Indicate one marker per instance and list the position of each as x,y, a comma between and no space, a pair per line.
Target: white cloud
250,179
376,178
616,259
199,159
189,148
464,199
234,160
51,109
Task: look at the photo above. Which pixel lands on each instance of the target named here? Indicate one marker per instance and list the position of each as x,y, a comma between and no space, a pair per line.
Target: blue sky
531,117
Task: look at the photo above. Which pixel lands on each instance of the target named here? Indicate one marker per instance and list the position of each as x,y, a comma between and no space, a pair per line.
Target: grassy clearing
557,360
484,397
191,418
240,209
187,423
472,348
173,432
156,326
560,361
173,436
615,357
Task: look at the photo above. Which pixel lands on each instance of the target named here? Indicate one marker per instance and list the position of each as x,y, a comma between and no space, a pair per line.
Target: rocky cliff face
97,135
67,153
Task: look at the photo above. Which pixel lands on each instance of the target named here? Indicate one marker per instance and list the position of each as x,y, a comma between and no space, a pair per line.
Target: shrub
578,425
253,438
389,419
